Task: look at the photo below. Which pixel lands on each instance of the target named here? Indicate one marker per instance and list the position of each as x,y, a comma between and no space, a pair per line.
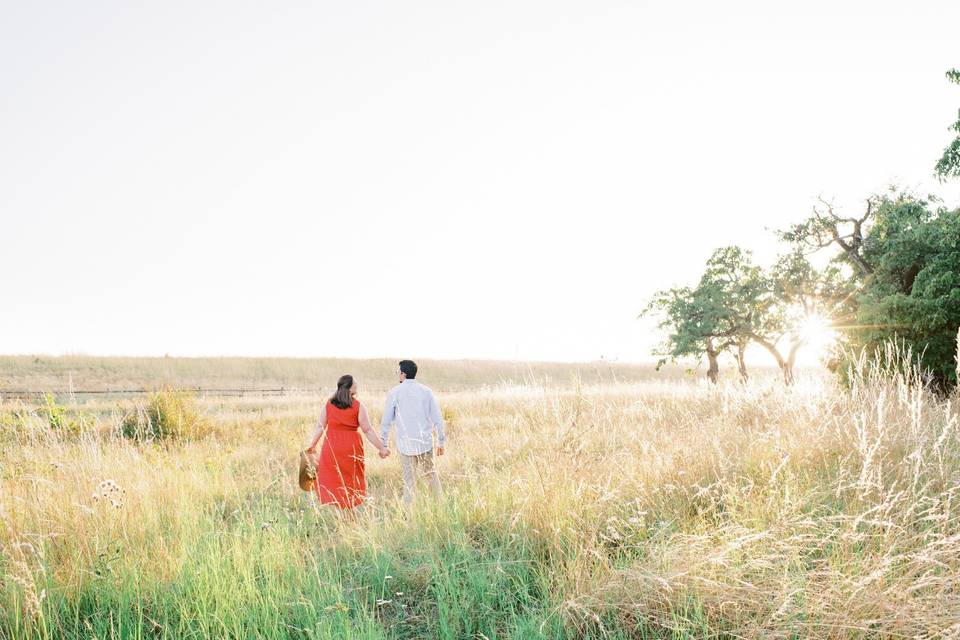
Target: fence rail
26,394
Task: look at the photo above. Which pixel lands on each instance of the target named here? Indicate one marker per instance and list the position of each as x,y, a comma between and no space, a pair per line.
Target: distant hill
59,373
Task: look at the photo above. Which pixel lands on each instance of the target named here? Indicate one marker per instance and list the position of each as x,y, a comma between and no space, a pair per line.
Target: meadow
598,501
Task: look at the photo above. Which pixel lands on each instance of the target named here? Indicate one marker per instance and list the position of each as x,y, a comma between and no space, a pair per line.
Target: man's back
414,409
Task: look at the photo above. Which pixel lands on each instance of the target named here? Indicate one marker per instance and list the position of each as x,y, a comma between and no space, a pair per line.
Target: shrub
55,414
169,414
62,420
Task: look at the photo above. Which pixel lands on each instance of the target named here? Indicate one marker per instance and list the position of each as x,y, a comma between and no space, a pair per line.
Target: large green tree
913,293
949,163
904,259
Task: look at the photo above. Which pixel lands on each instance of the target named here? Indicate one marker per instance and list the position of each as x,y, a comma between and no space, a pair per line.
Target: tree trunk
786,366
741,363
787,369
788,377
713,370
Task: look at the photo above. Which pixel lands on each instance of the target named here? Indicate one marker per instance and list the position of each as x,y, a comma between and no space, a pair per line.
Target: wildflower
110,491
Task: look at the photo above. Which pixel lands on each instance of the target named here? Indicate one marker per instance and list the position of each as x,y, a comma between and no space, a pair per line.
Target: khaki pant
419,465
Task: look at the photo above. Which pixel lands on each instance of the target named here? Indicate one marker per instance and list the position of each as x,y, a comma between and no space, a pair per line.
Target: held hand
439,451
384,453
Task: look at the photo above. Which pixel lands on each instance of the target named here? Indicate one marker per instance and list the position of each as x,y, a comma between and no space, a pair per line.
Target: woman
340,470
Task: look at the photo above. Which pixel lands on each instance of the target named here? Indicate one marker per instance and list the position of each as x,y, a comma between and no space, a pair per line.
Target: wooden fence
25,394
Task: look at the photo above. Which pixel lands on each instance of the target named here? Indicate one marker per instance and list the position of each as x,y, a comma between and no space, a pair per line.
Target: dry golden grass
649,509
46,373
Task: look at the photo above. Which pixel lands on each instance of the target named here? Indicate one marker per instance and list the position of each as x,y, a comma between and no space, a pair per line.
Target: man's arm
436,416
389,415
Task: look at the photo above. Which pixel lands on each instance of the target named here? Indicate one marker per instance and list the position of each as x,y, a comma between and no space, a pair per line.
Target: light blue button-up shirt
414,409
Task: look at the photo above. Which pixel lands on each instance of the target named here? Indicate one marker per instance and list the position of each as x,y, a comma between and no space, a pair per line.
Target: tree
800,293
714,316
736,303
948,166
825,229
914,292
740,289
690,319
770,308
905,280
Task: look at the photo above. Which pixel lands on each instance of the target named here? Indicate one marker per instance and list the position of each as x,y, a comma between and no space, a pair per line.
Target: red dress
340,470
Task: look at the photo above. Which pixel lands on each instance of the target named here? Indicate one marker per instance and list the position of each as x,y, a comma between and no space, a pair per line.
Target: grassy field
590,506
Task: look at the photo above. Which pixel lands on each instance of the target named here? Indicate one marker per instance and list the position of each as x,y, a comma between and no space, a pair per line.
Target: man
414,409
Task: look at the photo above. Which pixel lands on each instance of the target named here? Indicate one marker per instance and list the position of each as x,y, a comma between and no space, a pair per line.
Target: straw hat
308,472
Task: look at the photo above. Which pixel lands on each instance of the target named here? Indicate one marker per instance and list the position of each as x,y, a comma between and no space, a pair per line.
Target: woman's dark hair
408,368
342,398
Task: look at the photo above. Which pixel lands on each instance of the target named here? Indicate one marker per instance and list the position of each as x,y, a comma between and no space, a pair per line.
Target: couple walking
410,406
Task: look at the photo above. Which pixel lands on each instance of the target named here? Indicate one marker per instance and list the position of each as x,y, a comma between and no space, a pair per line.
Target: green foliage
736,303
803,291
169,414
713,316
948,166
53,413
796,283
737,286
688,327
903,282
60,419
913,293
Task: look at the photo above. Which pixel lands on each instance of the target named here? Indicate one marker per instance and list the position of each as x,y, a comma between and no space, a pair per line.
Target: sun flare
818,335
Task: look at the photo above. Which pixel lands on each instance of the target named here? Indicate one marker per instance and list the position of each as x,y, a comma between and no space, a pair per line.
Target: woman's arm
371,434
321,427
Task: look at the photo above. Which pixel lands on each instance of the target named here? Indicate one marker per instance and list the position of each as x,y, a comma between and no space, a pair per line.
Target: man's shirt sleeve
436,416
389,415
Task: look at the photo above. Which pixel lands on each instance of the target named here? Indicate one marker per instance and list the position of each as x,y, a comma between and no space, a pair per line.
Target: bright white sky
431,179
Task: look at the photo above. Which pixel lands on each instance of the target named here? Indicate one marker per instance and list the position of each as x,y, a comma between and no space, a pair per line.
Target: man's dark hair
408,368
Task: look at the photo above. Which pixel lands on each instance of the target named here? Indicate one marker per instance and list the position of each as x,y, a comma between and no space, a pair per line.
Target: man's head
408,370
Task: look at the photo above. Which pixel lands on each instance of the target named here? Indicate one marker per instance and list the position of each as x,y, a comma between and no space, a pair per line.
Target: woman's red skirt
340,469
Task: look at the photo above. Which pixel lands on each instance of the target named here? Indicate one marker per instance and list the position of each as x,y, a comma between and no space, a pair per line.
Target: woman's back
343,419
340,469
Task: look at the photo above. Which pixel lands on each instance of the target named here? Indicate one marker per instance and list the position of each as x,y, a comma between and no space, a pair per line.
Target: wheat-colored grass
62,373
649,509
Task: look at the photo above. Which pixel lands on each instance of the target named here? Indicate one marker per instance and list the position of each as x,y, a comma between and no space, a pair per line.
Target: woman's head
343,397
